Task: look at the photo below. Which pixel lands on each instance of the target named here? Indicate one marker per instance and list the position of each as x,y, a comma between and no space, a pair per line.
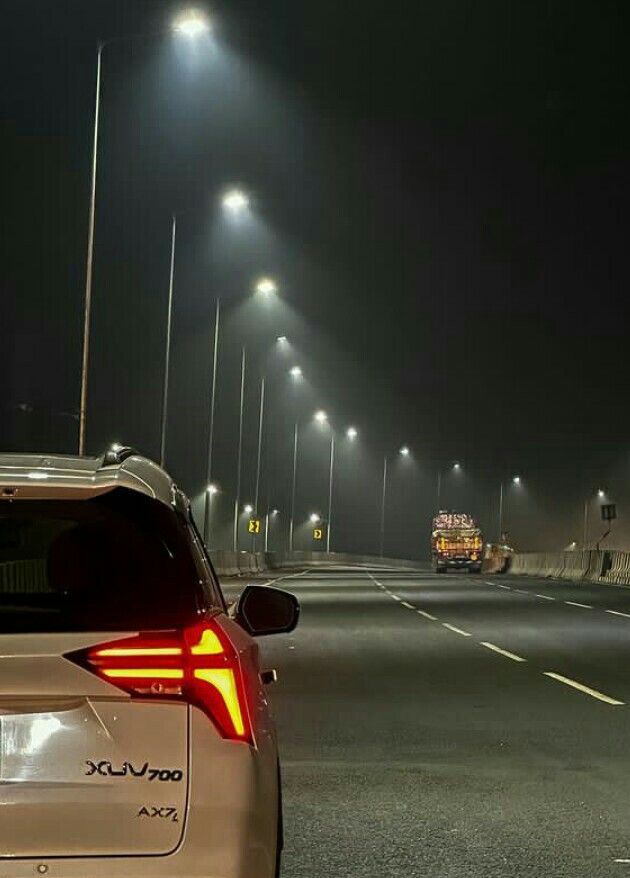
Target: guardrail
589,565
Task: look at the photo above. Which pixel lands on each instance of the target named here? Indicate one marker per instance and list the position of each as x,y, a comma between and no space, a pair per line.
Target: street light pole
383,496
261,418
293,483
237,498
206,520
330,489
191,24
585,530
439,489
87,314
167,356
500,512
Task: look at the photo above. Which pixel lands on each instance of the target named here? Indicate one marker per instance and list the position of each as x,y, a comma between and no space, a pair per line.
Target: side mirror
264,610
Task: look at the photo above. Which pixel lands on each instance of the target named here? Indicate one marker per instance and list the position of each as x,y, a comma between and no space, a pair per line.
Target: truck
456,542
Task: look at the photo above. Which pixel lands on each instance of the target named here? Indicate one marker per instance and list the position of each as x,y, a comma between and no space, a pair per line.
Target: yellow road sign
253,526
318,533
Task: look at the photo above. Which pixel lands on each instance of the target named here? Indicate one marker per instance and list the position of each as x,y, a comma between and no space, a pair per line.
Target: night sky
440,188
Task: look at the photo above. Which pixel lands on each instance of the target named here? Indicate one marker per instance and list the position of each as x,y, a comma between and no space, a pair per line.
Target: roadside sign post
609,514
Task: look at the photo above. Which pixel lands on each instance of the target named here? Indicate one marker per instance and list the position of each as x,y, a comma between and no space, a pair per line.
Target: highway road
454,726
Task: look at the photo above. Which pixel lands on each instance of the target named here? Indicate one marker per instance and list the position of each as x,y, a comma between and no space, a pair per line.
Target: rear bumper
457,562
231,825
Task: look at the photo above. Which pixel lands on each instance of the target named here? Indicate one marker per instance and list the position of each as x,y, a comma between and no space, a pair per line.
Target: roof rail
117,454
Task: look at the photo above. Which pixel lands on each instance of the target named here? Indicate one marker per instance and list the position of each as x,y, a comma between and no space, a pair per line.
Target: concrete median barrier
589,565
249,564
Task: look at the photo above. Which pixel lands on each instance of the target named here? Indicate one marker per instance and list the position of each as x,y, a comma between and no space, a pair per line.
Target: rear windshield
120,561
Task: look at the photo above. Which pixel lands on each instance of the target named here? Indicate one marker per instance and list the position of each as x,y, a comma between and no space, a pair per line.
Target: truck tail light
198,665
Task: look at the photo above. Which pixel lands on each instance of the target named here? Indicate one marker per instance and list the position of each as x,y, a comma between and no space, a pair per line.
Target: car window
120,561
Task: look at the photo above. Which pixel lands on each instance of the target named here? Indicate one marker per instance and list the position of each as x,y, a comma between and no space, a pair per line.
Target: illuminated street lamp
235,201
314,518
403,452
248,508
191,23
212,490
517,482
295,372
282,339
321,417
456,468
265,286
352,433
601,495
273,514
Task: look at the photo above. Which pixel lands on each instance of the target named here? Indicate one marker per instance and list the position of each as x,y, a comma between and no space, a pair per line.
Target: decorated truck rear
456,543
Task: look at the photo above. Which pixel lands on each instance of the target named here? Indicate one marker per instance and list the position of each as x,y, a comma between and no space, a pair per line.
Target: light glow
405,451
144,673
223,681
191,23
235,200
295,372
352,433
209,644
266,286
248,509
321,417
141,652
314,518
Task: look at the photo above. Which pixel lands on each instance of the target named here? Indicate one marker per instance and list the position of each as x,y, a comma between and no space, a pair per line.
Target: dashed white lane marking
621,860
510,655
394,596
426,615
521,591
491,583
508,587
545,596
409,606
585,689
575,604
456,630
618,613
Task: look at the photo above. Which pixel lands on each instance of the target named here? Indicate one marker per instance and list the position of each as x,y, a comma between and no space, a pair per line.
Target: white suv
135,732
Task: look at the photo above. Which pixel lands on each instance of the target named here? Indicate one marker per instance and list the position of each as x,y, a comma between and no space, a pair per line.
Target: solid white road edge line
585,689
456,630
618,613
545,596
495,648
409,606
575,604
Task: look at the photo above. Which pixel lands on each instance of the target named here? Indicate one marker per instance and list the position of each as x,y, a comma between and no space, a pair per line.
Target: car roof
48,476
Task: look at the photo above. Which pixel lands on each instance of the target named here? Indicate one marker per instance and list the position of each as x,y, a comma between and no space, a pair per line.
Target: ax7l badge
161,813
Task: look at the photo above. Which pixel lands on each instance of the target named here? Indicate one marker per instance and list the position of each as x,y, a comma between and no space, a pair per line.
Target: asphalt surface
411,748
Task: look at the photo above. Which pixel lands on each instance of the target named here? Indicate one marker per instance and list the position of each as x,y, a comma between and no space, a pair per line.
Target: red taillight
199,665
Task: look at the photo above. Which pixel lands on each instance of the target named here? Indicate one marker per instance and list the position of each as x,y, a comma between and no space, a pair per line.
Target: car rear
134,733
